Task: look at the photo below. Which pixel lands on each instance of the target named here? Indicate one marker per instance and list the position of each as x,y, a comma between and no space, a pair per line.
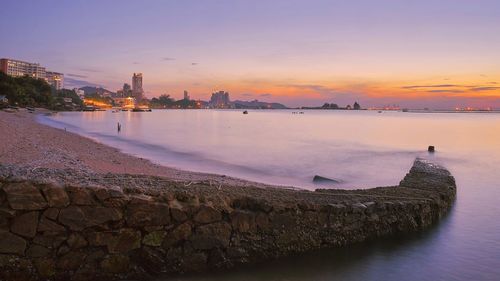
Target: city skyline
414,54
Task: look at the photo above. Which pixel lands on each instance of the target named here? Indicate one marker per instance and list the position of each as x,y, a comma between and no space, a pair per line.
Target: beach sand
25,142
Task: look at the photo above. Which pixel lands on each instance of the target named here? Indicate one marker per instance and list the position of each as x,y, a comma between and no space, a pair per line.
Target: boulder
76,241
51,213
104,193
126,240
24,196
115,264
81,195
81,217
211,236
147,214
180,233
324,180
207,214
71,261
25,225
37,251
47,225
12,244
46,267
50,241
154,238
55,195
242,221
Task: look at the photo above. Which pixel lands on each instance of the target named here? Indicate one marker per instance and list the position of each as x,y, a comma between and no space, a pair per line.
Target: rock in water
320,179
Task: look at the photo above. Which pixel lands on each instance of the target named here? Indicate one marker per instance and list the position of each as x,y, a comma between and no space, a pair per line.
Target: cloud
481,89
90,69
194,63
431,86
75,75
265,95
136,62
445,91
247,95
167,59
77,83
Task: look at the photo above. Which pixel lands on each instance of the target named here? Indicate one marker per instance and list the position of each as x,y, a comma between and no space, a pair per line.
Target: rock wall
62,225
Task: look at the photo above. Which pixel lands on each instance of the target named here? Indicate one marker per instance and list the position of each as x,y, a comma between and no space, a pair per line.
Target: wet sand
25,142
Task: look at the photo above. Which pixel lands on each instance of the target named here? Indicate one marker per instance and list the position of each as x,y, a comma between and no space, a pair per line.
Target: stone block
207,214
81,196
24,196
81,217
55,195
178,234
25,224
148,214
154,238
115,264
11,243
47,225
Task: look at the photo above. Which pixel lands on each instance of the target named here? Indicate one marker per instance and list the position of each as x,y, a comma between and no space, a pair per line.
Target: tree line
26,91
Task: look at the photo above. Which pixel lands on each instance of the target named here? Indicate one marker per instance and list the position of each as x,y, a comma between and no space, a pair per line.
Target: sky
436,54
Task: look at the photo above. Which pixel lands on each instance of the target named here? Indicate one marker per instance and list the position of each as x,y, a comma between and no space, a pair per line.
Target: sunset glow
414,54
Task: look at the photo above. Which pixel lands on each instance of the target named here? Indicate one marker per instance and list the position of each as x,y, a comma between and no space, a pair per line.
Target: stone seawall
70,225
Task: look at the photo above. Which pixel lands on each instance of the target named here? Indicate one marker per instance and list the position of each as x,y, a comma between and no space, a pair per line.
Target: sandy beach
25,142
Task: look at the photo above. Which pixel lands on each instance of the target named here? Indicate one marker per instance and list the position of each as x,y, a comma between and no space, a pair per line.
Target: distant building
137,90
3,99
55,79
80,93
186,95
127,90
220,99
356,106
18,68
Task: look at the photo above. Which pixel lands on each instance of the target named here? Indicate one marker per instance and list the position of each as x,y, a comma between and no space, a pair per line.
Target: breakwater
67,224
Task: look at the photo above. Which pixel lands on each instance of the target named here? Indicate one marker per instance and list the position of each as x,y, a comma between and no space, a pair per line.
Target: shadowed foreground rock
71,225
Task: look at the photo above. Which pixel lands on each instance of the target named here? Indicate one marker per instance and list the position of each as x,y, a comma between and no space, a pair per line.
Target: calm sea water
363,149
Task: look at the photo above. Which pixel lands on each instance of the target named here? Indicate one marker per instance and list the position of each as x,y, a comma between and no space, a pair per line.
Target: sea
358,149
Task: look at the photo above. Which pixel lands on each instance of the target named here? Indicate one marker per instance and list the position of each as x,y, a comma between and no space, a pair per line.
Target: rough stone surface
148,214
81,217
55,195
25,225
154,238
132,227
207,214
24,196
12,244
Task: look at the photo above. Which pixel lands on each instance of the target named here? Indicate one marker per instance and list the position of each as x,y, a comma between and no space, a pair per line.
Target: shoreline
26,142
69,211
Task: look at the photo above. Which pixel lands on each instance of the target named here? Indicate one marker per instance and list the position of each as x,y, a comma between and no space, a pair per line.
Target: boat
245,112
141,109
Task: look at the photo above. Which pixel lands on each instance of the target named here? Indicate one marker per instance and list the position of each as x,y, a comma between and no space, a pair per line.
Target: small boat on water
141,109
245,112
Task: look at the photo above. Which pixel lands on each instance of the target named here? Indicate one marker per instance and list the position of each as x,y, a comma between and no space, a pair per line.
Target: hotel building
17,68
55,79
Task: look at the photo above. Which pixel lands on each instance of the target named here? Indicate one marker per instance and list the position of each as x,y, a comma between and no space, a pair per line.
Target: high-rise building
137,90
220,99
127,90
18,68
186,95
55,79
